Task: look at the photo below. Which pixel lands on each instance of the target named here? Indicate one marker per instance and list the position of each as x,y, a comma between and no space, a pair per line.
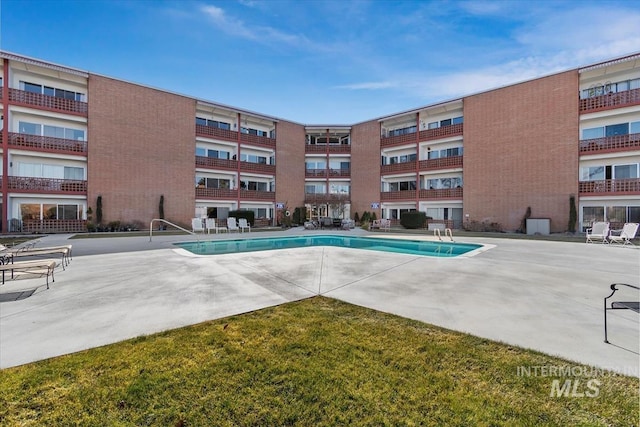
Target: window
446,152
457,120
593,133
30,128
592,173
212,123
64,133
625,171
446,122
252,158
205,182
339,189
254,185
619,129
634,127
36,211
443,183
73,173
315,189
51,91
403,131
433,125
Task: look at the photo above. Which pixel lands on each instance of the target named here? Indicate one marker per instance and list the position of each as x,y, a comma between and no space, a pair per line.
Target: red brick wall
365,167
521,150
141,144
290,164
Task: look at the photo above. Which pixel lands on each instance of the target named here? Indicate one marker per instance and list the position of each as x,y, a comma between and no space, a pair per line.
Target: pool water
413,247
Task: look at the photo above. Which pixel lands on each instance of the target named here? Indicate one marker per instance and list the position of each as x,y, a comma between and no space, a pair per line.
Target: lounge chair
619,305
598,232
210,224
232,225
40,267
625,235
243,224
63,251
196,225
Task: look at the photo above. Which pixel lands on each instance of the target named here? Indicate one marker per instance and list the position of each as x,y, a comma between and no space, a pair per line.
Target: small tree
161,207
573,215
99,210
356,218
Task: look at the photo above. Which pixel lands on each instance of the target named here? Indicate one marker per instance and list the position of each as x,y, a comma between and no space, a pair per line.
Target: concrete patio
542,295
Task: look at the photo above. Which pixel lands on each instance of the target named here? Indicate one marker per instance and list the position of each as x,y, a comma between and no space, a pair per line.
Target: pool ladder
447,232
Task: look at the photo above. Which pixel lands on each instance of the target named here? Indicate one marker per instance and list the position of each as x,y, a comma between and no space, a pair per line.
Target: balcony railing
610,143
316,198
216,193
49,102
232,135
398,167
610,186
406,138
257,195
47,143
441,132
214,163
53,226
610,100
387,196
258,167
441,163
327,173
228,194
441,193
423,135
331,148
54,185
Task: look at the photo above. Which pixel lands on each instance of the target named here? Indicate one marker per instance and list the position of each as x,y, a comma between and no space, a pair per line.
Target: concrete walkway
541,295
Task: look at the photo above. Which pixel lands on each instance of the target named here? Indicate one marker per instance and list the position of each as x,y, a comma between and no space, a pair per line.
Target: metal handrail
447,232
170,223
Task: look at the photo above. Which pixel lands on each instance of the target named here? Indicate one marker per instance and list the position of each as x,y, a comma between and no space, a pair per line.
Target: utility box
538,226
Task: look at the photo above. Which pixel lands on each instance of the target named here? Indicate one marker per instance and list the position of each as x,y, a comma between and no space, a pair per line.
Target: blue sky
321,62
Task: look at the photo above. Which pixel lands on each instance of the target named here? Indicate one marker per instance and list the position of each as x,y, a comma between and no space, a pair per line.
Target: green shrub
356,218
413,220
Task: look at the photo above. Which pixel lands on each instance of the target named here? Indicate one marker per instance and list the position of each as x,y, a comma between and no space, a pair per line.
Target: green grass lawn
310,363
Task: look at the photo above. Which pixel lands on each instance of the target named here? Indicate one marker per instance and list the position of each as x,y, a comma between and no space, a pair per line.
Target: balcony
258,168
610,144
406,138
216,193
214,163
441,194
52,103
323,198
228,194
610,187
441,163
49,185
327,173
331,149
231,135
388,196
398,168
441,132
47,143
610,100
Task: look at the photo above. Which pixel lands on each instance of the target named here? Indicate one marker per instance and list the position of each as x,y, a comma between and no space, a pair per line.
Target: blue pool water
413,247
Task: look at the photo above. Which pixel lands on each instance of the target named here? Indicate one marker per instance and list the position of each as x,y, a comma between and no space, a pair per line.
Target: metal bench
619,305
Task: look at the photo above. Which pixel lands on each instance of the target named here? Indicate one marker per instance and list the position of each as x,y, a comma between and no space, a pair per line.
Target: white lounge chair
232,225
243,224
625,235
210,224
599,231
196,225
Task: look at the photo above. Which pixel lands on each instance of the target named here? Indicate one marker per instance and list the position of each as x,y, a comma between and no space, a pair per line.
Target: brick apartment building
72,139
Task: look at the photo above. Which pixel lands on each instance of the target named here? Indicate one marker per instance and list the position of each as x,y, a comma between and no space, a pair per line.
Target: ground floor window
38,211
616,215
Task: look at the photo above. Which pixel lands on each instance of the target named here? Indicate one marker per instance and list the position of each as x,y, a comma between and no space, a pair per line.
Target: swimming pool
413,247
